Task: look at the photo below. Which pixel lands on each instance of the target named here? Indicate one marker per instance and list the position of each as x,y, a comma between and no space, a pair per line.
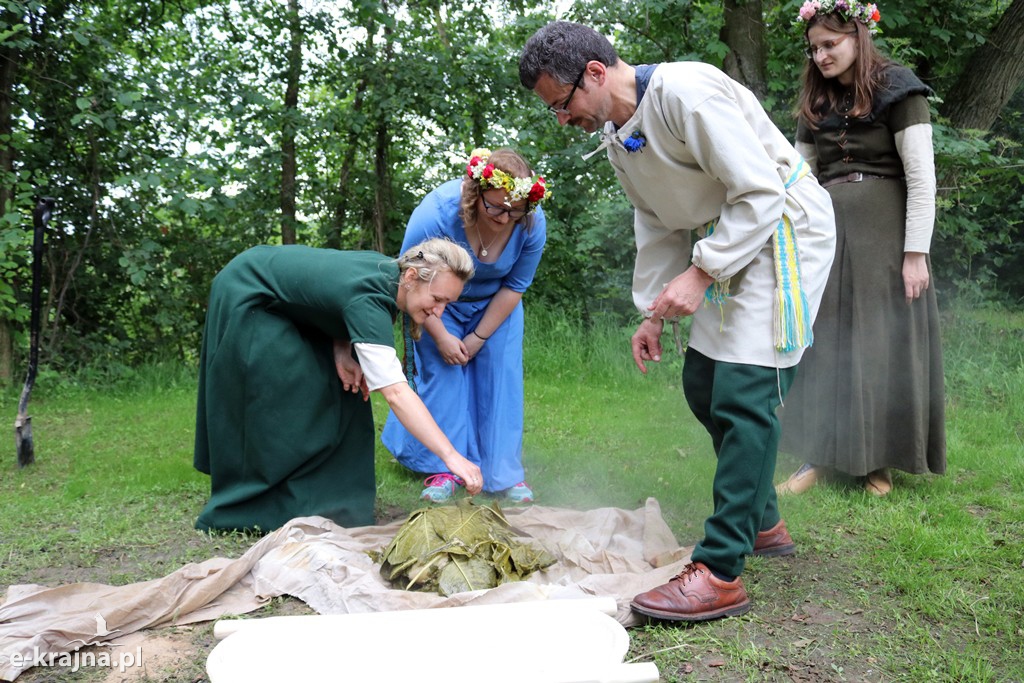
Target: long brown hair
504,159
821,95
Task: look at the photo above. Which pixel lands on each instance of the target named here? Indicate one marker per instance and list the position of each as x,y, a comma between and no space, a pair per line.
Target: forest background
174,134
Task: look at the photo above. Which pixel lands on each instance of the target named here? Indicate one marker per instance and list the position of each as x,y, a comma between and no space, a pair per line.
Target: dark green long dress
274,430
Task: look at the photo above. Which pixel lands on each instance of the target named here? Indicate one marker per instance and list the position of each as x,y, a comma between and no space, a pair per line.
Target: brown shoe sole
730,611
777,551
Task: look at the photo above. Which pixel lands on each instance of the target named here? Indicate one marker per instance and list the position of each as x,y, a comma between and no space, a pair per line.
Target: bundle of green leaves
458,548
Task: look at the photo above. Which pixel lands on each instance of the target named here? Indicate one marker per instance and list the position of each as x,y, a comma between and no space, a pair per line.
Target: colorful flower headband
848,10
533,190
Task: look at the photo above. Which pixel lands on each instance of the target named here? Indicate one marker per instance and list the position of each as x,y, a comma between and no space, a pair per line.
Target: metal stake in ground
23,423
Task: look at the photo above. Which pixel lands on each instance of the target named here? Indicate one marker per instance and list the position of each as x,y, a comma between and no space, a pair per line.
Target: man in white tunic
695,151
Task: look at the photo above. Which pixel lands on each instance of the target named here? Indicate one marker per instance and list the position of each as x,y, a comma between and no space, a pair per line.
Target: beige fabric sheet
607,552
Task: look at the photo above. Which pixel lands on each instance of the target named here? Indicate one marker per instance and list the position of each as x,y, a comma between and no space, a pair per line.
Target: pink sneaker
440,488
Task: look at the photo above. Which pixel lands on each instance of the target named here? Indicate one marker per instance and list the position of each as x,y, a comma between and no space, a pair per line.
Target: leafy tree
175,135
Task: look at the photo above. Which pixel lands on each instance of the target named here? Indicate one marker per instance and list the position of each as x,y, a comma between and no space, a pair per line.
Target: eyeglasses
564,109
827,46
494,211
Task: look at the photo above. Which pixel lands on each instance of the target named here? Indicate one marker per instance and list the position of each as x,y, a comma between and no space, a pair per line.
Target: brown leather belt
854,178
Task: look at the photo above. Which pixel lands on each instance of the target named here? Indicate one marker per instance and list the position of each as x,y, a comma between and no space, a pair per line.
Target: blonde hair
504,159
435,255
430,258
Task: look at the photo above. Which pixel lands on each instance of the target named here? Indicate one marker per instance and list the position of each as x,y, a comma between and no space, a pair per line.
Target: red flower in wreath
536,192
488,171
876,15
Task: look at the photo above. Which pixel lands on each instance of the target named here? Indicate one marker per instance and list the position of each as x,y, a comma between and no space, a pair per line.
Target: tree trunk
992,75
289,119
6,355
382,201
8,72
743,32
382,198
53,344
9,58
341,208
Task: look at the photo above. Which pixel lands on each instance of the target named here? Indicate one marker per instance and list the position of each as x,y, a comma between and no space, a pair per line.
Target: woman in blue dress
469,365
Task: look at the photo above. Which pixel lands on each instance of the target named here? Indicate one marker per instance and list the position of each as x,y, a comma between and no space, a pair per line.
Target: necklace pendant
483,252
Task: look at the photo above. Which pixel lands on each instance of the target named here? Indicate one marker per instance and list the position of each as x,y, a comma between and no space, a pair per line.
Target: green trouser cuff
736,403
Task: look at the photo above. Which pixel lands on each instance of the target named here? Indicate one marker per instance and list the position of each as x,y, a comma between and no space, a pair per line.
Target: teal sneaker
520,493
440,488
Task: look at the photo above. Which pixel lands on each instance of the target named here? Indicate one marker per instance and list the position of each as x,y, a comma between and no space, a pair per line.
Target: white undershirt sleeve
914,145
380,365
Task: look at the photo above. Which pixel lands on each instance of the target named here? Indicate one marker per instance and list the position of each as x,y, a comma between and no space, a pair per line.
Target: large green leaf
458,548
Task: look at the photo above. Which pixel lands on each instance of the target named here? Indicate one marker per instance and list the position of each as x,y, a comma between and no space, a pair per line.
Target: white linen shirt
713,153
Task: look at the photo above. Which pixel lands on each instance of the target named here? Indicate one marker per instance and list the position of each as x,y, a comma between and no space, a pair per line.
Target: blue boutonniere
635,142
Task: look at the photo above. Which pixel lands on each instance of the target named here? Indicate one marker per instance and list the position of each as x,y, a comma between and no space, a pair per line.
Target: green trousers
736,403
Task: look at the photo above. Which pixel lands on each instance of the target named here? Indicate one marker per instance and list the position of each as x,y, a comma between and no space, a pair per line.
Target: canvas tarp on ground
608,552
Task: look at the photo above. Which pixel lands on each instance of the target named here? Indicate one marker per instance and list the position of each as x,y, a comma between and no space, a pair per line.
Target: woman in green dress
295,340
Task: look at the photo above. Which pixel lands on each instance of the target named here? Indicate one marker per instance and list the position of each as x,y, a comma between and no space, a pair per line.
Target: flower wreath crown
533,190
848,10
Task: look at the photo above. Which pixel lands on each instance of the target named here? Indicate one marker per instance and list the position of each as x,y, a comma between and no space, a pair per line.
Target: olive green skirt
870,393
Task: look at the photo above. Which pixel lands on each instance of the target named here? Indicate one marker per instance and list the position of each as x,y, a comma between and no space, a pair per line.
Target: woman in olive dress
869,395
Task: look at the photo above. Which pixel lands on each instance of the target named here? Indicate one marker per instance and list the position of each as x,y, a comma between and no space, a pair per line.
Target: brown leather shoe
694,595
774,542
801,480
879,482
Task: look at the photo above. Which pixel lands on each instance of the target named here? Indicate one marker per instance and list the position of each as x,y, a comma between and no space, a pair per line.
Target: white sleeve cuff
380,365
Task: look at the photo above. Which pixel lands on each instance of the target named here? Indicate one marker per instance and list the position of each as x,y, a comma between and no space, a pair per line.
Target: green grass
923,585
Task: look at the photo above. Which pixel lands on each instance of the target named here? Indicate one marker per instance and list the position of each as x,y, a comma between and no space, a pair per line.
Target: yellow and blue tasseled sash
792,319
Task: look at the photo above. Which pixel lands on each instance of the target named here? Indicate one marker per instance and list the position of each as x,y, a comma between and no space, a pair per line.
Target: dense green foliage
160,129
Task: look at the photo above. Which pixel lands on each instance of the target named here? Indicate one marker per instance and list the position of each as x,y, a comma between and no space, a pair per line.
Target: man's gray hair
561,50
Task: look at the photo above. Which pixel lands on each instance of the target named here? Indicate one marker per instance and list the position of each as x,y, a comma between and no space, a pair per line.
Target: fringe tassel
717,292
792,313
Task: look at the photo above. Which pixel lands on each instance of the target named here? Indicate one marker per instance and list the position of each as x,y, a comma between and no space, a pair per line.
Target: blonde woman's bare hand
469,473
349,371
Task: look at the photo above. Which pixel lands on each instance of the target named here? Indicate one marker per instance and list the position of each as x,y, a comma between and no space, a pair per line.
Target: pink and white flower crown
533,190
848,10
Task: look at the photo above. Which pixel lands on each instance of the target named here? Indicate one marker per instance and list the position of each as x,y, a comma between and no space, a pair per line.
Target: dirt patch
805,626
155,655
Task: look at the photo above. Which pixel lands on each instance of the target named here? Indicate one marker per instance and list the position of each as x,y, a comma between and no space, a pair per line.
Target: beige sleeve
914,145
